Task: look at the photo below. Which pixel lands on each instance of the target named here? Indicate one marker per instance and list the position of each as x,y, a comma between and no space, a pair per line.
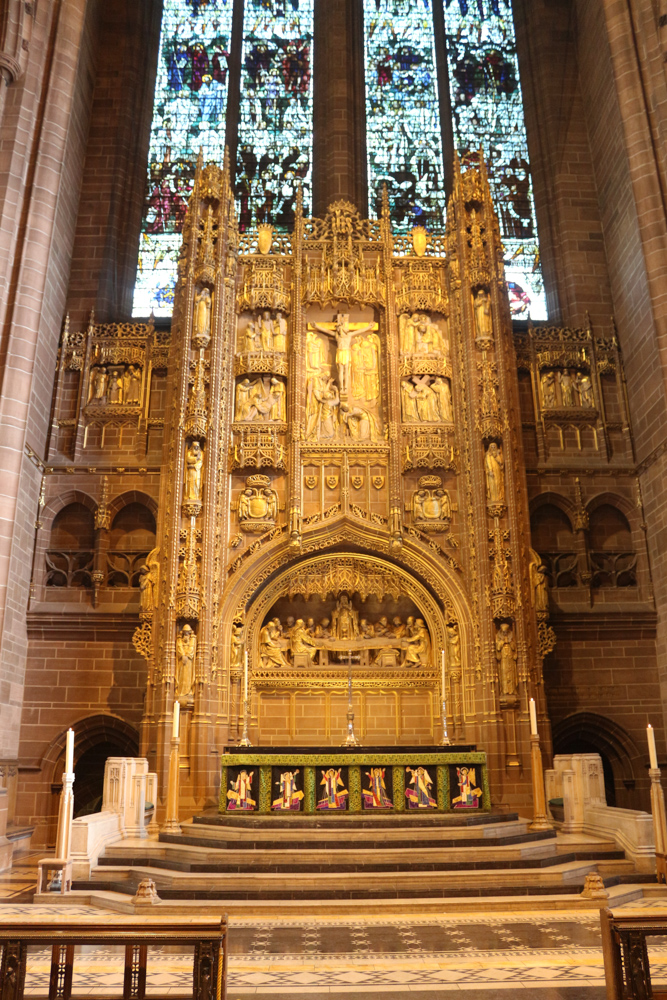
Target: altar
360,780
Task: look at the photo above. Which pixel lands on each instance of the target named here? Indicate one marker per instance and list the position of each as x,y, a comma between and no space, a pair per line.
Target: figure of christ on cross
342,332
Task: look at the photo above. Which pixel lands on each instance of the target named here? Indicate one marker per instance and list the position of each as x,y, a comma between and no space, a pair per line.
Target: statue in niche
360,424
266,331
427,400
431,506
148,581
453,647
301,641
115,390
370,361
440,387
322,403
251,337
270,647
186,649
539,583
585,389
99,381
236,648
567,388
201,326
548,386
316,354
132,385
280,333
406,332
344,619
258,401
194,460
342,332
483,317
258,505
494,465
418,652
506,656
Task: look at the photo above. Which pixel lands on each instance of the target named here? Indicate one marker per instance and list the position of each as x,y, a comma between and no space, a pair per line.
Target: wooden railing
625,951
207,938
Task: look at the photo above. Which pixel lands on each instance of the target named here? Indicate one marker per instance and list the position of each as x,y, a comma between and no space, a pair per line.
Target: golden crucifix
342,332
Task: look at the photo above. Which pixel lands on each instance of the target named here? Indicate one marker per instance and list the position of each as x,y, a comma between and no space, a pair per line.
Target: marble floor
545,954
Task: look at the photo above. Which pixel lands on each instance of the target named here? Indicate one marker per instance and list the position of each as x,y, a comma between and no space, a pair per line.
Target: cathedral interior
332,410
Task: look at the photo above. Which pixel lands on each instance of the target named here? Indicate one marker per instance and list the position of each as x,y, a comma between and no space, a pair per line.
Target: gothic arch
132,496
89,732
436,585
53,508
607,737
563,503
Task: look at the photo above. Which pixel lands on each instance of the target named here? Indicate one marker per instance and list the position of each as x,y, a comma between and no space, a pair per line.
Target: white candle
442,679
650,735
176,721
69,752
245,677
533,717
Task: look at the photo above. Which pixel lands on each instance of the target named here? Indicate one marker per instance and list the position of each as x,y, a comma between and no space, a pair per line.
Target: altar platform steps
314,861
266,833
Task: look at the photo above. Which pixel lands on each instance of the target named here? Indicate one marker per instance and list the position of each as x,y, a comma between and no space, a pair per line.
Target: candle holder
171,823
445,741
55,874
245,739
351,739
540,819
659,824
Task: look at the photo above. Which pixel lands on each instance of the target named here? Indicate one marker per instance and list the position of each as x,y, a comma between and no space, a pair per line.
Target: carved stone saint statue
453,647
344,619
483,317
548,385
418,652
585,389
236,646
148,578
186,649
194,459
539,583
494,465
270,650
506,657
201,326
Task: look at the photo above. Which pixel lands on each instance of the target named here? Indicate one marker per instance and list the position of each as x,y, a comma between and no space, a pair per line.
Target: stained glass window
488,111
188,114
403,137
275,134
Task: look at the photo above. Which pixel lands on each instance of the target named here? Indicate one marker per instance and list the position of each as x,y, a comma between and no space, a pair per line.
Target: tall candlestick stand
350,740
540,819
659,824
171,823
445,741
55,874
245,739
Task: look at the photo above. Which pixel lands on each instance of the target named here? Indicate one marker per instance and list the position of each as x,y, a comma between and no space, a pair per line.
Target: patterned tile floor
547,955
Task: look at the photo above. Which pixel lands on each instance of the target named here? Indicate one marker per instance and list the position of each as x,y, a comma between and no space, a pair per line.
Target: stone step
365,820
384,859
322,834
565,876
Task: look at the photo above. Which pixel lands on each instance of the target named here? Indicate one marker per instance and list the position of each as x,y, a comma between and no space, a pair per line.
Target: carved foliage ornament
346,575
